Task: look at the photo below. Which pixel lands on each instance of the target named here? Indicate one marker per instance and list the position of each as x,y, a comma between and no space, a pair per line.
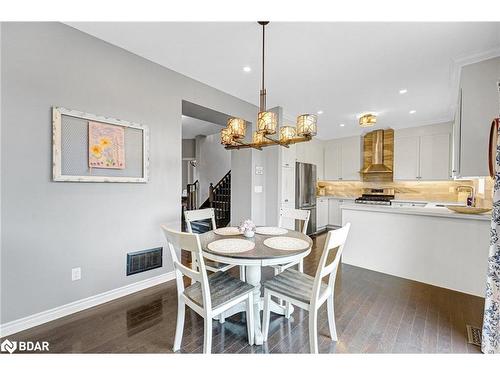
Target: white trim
21,324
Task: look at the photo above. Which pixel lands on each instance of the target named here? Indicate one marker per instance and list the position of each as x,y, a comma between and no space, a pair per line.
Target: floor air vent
474,335
144,260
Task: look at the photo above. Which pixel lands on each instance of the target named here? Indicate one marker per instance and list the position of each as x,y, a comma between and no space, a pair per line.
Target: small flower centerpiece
247,227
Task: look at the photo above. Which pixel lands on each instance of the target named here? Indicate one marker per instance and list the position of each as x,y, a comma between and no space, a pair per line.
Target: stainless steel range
376,196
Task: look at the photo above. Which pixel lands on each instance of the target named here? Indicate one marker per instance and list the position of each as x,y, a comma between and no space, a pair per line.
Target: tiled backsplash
437,191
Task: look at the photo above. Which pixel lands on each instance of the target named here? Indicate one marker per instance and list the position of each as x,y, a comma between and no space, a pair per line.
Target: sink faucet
470,189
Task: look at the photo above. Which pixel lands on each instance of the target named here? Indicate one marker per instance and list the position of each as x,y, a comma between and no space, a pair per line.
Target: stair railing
192,195
219,198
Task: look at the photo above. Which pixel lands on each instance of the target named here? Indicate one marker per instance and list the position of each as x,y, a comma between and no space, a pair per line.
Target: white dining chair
208,214
307,292
210,295
296,214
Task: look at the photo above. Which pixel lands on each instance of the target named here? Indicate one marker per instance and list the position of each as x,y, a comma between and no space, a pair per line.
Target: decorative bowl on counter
468,210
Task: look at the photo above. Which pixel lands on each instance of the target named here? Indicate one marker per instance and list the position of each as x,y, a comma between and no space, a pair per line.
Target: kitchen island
432,245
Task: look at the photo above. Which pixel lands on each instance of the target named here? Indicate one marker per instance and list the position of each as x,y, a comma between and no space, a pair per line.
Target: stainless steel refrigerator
305,192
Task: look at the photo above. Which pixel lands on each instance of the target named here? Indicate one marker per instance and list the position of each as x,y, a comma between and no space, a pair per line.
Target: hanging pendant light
267,122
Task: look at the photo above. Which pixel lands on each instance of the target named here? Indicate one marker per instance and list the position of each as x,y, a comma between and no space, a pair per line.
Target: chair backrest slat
335,240
190,242
294,213
197,215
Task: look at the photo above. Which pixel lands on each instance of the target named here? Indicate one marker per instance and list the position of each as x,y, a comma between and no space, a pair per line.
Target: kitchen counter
335,197
430,245
423,211
441,203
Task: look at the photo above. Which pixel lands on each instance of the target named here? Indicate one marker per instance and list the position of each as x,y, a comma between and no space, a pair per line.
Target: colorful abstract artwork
106,146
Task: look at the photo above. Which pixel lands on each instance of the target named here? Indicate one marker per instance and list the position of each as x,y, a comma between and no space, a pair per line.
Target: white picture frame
57,174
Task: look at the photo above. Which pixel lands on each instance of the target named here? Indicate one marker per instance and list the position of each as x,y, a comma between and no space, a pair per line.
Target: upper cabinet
435,157
478,105
343,159
332,160
406,158
312,152
423,153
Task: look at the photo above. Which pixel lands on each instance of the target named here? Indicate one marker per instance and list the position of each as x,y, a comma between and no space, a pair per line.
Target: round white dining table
260,256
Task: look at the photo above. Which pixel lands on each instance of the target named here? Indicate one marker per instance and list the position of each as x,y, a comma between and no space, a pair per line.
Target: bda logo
8,346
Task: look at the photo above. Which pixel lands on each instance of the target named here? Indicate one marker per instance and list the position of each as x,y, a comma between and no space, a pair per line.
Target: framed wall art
92,148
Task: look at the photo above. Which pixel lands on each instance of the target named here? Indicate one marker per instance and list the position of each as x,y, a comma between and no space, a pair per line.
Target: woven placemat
231,246
227,231
271,231
286,243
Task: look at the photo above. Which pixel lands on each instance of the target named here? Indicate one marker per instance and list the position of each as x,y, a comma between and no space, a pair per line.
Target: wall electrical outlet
76,274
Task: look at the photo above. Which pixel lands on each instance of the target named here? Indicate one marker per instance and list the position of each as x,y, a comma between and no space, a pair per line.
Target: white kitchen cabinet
312,152
350,158
479,105
288,185
321,213
288,156
435,157
423,153
406,158
332,160
334,212
343,159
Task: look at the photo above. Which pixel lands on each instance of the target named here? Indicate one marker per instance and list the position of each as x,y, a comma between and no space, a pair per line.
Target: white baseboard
21,324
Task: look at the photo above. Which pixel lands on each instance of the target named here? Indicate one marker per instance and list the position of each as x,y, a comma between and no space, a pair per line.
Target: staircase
219,198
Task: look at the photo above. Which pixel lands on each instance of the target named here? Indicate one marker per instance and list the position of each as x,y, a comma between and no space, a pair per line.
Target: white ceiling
341,68
191,127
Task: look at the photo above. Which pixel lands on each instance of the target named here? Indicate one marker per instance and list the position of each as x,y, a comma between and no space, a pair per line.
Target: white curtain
491,320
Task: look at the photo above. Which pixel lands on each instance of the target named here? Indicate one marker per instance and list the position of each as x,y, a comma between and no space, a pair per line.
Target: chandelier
267,123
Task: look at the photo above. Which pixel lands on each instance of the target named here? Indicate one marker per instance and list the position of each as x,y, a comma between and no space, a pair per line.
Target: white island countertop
432,245
423,211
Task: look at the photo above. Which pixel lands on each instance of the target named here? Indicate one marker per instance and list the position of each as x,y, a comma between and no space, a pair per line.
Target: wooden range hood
378,155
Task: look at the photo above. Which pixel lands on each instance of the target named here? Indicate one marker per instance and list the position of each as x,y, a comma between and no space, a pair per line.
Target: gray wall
48,227
188,148
213,162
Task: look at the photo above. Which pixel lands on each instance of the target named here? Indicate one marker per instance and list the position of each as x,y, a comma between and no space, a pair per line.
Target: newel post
211,194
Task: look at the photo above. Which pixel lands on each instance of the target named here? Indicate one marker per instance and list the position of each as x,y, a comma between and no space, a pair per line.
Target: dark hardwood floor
375,313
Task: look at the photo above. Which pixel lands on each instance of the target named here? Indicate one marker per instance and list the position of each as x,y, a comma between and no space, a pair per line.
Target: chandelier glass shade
367,120
267,122
287,133
306,125
226,138
258,138
237,127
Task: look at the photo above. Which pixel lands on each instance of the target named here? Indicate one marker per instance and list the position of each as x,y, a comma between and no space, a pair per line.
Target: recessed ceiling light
412,112
403,91
247,69
342,125
320,112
